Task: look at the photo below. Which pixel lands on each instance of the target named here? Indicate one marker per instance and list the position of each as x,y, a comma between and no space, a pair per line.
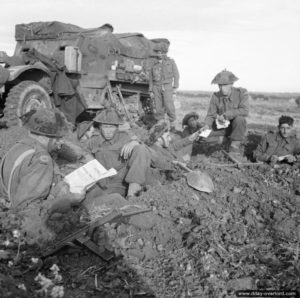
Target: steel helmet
187,117
224,77
108,116
45,122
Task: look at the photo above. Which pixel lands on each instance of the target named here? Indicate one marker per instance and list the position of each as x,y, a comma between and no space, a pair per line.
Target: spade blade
200,181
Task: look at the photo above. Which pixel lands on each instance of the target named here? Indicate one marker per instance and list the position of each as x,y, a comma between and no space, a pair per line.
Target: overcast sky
258,40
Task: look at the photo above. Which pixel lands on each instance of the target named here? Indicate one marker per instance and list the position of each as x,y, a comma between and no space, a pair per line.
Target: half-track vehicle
80,71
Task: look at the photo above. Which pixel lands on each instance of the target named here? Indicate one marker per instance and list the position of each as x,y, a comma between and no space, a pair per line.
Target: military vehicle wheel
22,98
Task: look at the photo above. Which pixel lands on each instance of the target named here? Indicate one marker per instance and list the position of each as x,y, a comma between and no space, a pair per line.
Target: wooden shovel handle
230,157
182,165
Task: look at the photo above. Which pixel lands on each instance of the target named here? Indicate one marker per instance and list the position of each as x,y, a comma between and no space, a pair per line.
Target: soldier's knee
139,150
239,120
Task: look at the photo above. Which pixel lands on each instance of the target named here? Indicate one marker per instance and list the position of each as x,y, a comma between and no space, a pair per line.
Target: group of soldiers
33,185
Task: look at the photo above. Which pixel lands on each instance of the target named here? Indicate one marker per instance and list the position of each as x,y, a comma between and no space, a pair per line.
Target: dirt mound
245,235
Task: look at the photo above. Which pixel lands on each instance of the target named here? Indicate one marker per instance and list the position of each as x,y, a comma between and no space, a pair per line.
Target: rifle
84,234
123,104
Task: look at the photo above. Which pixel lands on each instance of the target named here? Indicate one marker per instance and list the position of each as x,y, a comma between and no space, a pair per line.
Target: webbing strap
18,161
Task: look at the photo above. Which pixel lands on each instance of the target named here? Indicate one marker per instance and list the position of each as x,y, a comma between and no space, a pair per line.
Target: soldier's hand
205,127
78,197
221,118
151,95
290,158
88,157
175,91
127,149
195,136
273,160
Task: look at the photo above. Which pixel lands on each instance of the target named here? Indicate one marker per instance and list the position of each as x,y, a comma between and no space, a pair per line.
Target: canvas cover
133,45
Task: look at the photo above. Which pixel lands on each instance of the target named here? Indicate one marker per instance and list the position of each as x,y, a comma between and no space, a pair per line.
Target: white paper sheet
87,175
205,133
281,158
222,124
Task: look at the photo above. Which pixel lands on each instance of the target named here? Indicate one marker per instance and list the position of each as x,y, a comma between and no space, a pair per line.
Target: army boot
235,153
224,142
133,189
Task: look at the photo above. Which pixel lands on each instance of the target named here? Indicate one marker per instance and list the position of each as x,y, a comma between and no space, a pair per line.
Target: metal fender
15,71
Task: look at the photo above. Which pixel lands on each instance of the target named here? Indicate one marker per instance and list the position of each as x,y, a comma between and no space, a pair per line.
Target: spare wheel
22,98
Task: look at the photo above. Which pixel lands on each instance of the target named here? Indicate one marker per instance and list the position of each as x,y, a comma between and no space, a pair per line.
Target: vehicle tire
22,98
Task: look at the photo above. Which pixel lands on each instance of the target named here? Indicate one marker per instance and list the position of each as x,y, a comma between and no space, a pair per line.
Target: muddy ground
244,235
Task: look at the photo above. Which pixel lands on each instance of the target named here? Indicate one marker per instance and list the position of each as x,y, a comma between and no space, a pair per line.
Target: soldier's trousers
135,170
235,131
163,97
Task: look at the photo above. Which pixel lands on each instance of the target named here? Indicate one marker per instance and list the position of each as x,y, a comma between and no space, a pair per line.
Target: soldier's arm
212,112
200,124
185,133
260,153
175,75
242,109
181,143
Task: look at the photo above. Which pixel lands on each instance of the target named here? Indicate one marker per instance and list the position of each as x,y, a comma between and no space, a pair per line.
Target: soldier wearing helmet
165,147
191,124
28,179
228,108
163,83
117,149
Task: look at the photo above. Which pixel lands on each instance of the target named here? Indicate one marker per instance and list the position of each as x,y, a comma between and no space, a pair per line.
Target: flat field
265,108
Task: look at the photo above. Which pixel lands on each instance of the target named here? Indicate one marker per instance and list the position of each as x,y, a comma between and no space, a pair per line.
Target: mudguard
15,71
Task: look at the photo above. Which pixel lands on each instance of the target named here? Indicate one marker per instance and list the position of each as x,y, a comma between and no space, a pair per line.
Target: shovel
238,164
197,179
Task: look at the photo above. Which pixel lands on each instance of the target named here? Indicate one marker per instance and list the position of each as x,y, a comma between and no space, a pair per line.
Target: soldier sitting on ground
30,180
282,145
164,147
228,104
119,150
191,124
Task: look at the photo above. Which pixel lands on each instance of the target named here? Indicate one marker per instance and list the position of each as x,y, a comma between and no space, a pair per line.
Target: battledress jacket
107,152
27,173
237,104
274,144
164,73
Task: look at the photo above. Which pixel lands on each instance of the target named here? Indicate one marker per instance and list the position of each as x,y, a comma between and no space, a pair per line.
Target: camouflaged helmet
188,116
224,77
156,132
108,116
44,122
